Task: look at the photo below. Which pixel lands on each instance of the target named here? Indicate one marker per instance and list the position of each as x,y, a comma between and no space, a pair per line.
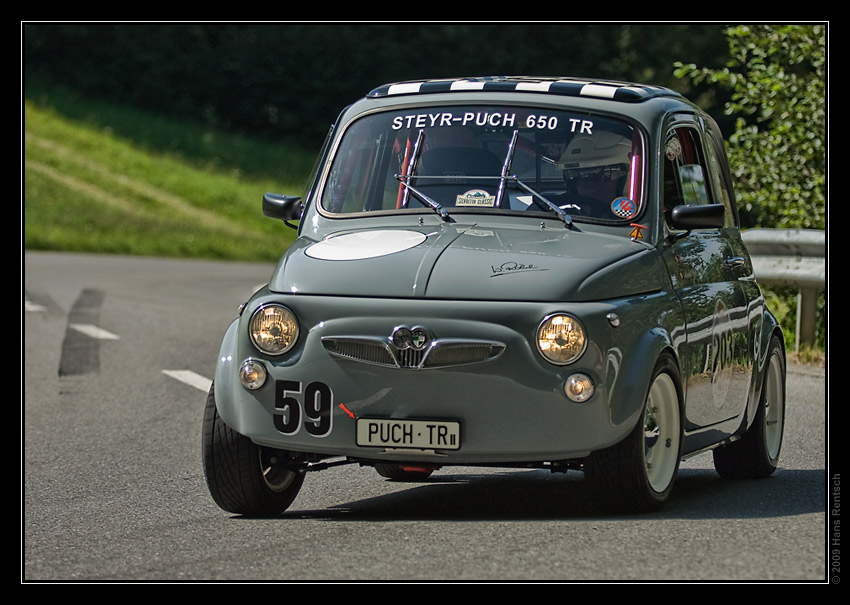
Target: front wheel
637,474
756,454
242,477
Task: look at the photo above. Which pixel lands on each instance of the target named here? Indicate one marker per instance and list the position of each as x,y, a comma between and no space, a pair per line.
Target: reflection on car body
522,272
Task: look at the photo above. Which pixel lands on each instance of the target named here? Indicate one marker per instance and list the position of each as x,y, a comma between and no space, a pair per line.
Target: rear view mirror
284,207
705,216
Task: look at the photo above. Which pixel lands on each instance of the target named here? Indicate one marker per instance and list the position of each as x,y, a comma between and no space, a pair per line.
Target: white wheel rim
661,433
774,405
276,478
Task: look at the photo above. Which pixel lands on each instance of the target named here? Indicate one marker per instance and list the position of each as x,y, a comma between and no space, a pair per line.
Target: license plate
411,434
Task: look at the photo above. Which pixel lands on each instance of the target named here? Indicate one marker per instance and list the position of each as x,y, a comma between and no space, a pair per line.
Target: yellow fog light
252,375
273,329
579,388
561,339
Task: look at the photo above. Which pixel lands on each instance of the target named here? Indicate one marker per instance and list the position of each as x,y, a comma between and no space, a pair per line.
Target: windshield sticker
445,118
476,198
637,232
623,207
495,119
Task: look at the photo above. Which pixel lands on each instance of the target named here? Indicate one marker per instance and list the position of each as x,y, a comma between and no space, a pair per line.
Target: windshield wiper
506,167
438,208
504,178
404,179
562,214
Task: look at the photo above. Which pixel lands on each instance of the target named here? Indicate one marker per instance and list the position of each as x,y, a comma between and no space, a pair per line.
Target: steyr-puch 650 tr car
510,271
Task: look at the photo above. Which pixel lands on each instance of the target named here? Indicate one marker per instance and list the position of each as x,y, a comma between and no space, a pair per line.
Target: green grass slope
86,189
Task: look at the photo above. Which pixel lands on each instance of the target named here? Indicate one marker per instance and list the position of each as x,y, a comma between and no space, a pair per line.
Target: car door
712,274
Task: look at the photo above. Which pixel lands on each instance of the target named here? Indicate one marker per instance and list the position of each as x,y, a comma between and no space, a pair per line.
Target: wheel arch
770,330
226,381
627,398
620,475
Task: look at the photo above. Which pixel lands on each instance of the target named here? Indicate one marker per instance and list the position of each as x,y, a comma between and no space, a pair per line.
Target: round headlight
561,339
273,329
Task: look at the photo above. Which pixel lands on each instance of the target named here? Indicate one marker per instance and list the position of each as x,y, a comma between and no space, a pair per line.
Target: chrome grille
453,353
410,358
367,350
440,353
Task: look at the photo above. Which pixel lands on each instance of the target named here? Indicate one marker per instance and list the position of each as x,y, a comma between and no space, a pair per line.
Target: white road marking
94,331
33,307
191,378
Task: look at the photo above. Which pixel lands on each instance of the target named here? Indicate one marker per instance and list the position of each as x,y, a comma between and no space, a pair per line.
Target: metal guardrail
792,257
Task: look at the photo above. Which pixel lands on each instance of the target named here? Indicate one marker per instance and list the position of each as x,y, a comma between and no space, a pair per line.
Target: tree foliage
289,80
777,78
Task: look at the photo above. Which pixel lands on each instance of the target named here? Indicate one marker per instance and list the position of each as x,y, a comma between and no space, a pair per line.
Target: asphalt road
118,353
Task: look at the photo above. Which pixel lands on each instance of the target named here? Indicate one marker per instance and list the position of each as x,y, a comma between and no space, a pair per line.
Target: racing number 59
315,408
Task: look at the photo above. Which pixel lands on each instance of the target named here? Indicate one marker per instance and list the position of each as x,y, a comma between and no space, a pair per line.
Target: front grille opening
360,349
440,354
410,358
462,353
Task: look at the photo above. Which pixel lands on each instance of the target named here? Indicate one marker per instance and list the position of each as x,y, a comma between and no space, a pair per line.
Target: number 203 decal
310,408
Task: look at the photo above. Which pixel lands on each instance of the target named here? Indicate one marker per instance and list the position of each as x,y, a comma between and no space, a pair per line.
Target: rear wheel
756,454
242,477
637,474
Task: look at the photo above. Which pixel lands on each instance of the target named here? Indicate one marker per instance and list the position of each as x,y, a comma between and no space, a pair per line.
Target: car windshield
488,159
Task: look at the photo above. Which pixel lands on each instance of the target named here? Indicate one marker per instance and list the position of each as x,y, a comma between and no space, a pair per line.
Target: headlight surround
273,329
561,339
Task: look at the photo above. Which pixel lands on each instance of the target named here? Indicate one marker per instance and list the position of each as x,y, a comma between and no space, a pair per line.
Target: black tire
396,472
756,454
637,474
242,477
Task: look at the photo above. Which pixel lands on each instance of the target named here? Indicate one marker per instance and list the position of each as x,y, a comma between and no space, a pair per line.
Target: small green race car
509,271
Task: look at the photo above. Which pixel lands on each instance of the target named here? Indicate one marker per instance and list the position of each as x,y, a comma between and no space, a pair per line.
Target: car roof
563,86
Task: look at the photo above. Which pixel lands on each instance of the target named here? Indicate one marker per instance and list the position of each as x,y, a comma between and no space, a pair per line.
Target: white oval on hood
365,244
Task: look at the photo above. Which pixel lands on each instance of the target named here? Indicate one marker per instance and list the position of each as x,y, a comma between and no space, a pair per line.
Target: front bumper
509,407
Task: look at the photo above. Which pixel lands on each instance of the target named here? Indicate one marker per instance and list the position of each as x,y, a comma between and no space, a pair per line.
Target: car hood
469,262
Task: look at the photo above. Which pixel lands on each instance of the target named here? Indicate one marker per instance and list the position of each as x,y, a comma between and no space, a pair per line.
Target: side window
719,178
686,173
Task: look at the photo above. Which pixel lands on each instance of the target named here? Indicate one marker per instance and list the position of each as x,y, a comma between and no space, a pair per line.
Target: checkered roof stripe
619,91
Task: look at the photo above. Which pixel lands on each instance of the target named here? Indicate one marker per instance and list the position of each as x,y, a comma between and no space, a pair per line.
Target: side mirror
284,207
707,216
